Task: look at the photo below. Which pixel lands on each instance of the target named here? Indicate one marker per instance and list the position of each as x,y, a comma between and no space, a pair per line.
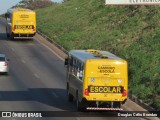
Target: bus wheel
69,96
11,37
117,105
79,107
8,36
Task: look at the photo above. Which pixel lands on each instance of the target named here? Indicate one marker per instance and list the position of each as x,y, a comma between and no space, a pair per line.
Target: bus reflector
14,28
86,92
124,93
6,64
33,28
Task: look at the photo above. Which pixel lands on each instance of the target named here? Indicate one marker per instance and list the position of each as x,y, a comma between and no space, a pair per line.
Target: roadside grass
131,32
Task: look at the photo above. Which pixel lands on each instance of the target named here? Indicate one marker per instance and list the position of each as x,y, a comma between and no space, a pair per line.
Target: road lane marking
78,118
53,93
23,61
51,50
37,76
13,49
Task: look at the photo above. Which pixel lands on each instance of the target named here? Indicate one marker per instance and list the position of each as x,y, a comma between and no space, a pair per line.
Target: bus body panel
75,86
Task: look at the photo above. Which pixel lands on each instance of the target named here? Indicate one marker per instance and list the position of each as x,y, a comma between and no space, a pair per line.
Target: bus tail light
86,92
5,64
33,28
124,93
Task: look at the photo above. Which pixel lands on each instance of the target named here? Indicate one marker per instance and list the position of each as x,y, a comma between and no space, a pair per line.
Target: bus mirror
66,61
6,15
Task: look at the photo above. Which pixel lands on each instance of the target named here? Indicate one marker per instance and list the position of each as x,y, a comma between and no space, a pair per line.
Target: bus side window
75,67
81,72
71,64
78,69
9,18
71,61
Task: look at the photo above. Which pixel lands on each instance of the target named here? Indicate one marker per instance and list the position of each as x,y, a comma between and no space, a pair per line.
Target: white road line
37,76
78,118
23,61
53,93
51,50
13,49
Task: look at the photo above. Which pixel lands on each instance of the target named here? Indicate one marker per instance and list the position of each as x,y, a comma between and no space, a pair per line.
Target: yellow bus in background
21,23
98,80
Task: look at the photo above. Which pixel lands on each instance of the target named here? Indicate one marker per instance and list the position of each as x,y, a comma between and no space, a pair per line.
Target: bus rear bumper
23,36
102,105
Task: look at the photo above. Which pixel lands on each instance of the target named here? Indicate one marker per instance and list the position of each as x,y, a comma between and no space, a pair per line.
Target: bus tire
117,105
69,96
8,36
11,37
78,105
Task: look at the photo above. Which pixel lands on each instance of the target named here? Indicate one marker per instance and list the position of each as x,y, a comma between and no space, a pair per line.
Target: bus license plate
23,27
105,89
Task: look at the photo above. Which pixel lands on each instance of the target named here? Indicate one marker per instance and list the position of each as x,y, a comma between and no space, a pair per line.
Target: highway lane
32,72
36,80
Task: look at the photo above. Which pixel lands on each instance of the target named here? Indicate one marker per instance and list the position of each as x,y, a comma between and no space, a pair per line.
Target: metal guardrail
140,102
51,41
131,97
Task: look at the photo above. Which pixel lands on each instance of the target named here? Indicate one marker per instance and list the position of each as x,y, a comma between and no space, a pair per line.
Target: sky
6,4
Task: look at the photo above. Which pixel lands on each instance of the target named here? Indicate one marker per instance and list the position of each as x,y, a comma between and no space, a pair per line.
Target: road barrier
51,41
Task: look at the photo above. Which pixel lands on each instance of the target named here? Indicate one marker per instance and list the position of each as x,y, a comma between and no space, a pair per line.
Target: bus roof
19,10
84,55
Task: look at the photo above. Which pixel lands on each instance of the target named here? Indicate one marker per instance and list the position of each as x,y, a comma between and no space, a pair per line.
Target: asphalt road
36,80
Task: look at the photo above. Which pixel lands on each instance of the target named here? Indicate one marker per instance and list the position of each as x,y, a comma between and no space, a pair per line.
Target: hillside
131,32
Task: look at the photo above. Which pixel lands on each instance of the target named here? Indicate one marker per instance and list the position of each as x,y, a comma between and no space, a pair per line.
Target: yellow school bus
20,23
98,80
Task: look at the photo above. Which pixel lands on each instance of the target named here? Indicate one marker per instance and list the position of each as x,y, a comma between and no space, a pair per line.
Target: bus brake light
6,64
124,93
86,92
33,28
